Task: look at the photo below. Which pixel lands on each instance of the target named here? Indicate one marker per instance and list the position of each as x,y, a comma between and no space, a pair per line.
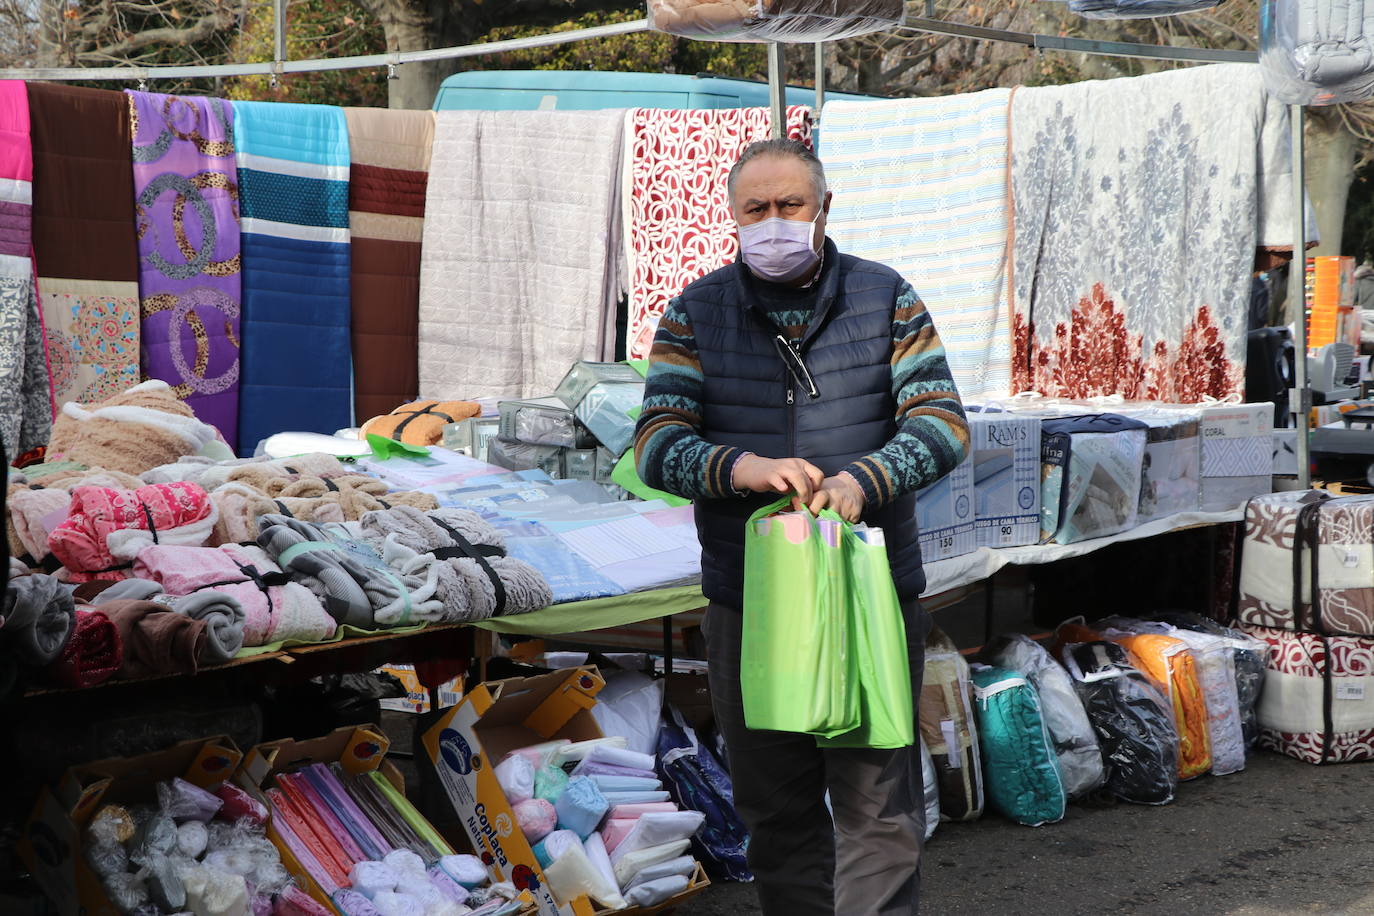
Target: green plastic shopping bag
796,670
878,640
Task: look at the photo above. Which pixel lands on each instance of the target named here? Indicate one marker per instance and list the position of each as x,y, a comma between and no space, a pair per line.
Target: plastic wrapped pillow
653,830
210,891
549,783
466,870
547,849
371,878
516,776
572,874
156,835
682,866
536,818
632,864
234,860
653,893
426,893
193,838
182,801
127,892
404,862
287,445
581,806
107,859
112,824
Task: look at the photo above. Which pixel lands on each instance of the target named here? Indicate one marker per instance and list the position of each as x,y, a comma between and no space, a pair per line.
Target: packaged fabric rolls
1090,476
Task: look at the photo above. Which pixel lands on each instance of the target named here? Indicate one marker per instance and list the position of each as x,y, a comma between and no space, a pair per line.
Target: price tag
1350,691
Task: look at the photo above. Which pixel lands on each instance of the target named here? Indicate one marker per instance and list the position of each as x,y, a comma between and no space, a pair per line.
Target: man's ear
825,206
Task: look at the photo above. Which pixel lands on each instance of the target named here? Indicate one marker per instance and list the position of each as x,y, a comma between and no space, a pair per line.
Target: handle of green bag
784,503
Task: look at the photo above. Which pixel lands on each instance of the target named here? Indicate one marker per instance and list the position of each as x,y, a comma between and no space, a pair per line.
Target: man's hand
778,475
842,495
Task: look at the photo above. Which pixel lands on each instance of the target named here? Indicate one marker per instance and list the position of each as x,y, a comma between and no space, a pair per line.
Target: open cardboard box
495,718
51,845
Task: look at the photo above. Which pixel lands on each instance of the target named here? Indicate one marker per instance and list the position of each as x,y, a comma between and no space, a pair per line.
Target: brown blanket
387,183
156,639
86,254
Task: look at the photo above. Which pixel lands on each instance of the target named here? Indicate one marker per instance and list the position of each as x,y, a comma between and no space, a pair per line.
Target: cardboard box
944,515
359,749
51,845
416,699
1237,453
1006,478
470,739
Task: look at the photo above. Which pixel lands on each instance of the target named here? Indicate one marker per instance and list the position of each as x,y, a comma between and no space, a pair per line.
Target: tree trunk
1330,160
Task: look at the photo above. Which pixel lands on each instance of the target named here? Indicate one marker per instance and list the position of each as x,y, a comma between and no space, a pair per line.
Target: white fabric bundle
516,776
595,848
619,757
633,863
372,878
572,874
616,799
578,750
657,830
682,866
466,870
655,892
390,903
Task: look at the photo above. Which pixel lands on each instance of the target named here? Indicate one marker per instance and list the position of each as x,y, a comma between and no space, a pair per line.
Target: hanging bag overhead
773,20
1317,52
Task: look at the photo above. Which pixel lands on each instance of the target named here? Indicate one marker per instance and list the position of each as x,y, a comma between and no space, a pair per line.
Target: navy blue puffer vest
747,390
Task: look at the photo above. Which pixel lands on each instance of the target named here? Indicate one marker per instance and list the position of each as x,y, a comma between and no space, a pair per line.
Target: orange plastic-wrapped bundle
420,422
1170,665
773,20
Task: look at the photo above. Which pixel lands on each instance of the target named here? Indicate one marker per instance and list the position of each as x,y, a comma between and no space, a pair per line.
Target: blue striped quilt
293,163
921,185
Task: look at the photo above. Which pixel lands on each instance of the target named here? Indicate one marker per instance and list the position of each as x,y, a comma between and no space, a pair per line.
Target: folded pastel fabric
477,579
591,768
547,850
595,848
420,422
635,798
516,777
633,811
39,616
581,807
92,655
106,528
451,889
352,903
134,431
576,751
616,829
223,617
156,639
652,830
682,866
653,893
620,757
539,755
356,585
536,818
631,864
626,784
550,783
466,870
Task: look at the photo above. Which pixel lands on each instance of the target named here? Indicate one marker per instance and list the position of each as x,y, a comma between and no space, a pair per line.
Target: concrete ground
1280,838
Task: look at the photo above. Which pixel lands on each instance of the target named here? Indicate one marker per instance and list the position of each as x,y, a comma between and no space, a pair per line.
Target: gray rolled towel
129,590
355,584
224,619
39,615
413,540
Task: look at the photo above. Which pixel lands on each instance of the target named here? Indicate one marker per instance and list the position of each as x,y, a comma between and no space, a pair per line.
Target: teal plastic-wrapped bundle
1020,769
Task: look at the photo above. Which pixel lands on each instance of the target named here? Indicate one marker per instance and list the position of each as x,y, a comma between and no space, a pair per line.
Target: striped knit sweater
932,433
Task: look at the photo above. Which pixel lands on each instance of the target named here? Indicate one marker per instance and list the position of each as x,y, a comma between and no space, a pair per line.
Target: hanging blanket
921,186
84,244
25,395
513,292
1138,206
678,226
386,216
293,182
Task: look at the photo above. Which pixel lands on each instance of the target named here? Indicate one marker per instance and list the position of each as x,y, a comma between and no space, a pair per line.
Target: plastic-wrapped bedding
1216,672
1131,718
1090,476
1317,52
1137,9
773,20
1249,657
948,729
932,789
1170,666
1020,770
1080,759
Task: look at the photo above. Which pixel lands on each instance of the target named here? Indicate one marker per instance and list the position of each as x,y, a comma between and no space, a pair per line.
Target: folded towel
657,830
156,639
420,422
39,615
630,865
92,656
476,579
653,893
682,866
124,590
223,617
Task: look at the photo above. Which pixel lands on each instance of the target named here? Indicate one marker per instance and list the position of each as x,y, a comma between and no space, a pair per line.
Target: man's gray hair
794,148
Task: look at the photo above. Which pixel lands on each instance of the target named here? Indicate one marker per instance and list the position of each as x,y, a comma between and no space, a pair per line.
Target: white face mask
780,250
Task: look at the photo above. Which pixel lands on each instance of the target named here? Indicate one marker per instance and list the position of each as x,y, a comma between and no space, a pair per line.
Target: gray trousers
868,861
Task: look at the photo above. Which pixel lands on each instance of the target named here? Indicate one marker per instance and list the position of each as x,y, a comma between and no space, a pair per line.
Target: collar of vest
827,291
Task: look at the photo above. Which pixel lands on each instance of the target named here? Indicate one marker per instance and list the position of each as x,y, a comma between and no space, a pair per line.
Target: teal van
590,90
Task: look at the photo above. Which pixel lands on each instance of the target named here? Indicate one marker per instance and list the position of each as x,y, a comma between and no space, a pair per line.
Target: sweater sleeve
670,453
932,432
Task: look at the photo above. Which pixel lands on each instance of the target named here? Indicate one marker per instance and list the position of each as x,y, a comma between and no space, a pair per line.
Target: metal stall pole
1297,296
278,39
777,89
820,78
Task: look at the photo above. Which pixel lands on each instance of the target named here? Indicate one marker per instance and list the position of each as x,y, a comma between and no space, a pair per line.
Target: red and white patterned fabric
105,528
1297,700
677,209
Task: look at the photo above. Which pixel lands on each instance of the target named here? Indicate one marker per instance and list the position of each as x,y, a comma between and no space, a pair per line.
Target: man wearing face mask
802,370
